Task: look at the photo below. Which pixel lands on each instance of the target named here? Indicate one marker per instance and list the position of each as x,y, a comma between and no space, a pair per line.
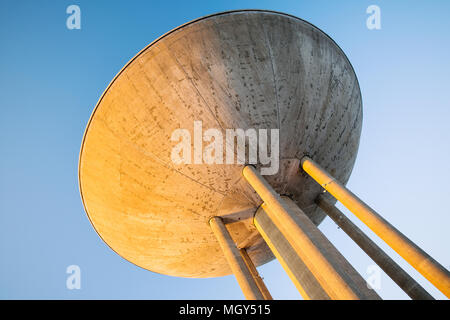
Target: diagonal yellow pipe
415,256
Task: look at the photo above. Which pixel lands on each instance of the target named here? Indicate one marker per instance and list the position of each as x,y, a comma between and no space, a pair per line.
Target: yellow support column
392,269
237,264
415,256
305,282
332,281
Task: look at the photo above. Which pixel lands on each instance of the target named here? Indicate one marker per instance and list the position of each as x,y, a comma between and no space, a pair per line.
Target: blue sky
52,77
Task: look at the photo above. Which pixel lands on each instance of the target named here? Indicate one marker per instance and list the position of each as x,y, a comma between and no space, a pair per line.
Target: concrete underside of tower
245,69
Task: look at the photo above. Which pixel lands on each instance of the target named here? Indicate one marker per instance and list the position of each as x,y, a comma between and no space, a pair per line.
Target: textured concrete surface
248,69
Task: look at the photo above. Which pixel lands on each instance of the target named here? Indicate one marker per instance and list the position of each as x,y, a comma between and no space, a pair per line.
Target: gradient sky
52,77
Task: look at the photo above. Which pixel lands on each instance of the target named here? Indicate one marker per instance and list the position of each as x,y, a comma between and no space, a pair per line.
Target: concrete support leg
243,275
392,269
303,279
415,256
259,281
336,276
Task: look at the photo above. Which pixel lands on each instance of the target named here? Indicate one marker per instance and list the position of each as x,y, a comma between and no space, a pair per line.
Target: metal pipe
259,281
326,274
392,269
237,264
415,256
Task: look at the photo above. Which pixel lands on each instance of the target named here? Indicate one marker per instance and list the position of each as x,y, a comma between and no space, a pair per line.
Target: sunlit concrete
245,69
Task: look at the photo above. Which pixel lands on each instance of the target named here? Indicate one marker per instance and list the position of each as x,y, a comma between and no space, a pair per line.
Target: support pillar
303,279
259,281
243,275
392,269
332,271
415,256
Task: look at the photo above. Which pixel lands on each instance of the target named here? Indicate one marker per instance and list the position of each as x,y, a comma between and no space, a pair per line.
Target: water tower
247,71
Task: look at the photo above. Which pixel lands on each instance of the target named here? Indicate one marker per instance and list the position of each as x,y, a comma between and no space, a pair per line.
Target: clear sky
51,78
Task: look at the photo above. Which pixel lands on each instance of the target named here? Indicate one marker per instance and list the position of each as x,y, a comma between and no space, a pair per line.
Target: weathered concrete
414,255
411,287
245,69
